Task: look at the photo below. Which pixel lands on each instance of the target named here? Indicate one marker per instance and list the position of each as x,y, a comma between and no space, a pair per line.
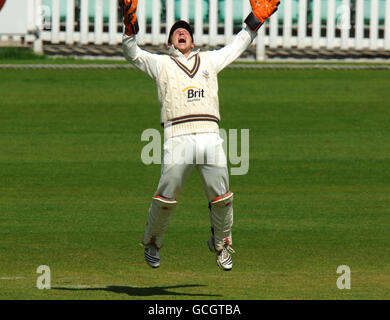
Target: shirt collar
177,54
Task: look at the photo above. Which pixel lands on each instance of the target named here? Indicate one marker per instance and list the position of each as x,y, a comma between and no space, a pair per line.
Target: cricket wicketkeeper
187,86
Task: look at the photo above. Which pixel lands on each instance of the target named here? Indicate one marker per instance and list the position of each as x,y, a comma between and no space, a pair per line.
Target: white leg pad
160,212
221,218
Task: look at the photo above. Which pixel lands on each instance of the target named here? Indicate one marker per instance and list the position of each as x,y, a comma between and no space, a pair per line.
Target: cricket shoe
152,255
224,259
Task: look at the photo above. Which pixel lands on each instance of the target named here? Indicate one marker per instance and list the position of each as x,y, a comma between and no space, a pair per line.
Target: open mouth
182,40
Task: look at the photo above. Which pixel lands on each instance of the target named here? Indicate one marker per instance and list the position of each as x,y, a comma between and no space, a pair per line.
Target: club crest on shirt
205,74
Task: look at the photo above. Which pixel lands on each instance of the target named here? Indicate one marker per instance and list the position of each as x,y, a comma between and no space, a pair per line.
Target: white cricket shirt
187,87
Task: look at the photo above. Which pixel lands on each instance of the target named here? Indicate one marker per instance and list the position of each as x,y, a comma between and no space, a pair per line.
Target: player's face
182,41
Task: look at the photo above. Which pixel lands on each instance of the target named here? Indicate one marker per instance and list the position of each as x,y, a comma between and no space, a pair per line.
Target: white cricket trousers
203,151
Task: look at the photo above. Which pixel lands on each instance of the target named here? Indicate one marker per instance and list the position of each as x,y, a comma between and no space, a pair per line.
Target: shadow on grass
144,292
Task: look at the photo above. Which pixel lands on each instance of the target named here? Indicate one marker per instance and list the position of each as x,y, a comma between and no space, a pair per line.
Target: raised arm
147,62
226,55
261,11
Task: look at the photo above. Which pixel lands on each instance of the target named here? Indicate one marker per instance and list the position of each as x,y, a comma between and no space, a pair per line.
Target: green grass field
74,193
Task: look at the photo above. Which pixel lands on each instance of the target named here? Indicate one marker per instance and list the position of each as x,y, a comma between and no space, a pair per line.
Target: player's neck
186,53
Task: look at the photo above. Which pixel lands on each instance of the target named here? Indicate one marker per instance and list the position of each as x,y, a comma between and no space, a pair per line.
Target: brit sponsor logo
193,93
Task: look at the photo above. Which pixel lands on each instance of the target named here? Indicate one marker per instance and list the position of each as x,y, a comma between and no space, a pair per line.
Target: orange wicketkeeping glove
129,8
261,11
